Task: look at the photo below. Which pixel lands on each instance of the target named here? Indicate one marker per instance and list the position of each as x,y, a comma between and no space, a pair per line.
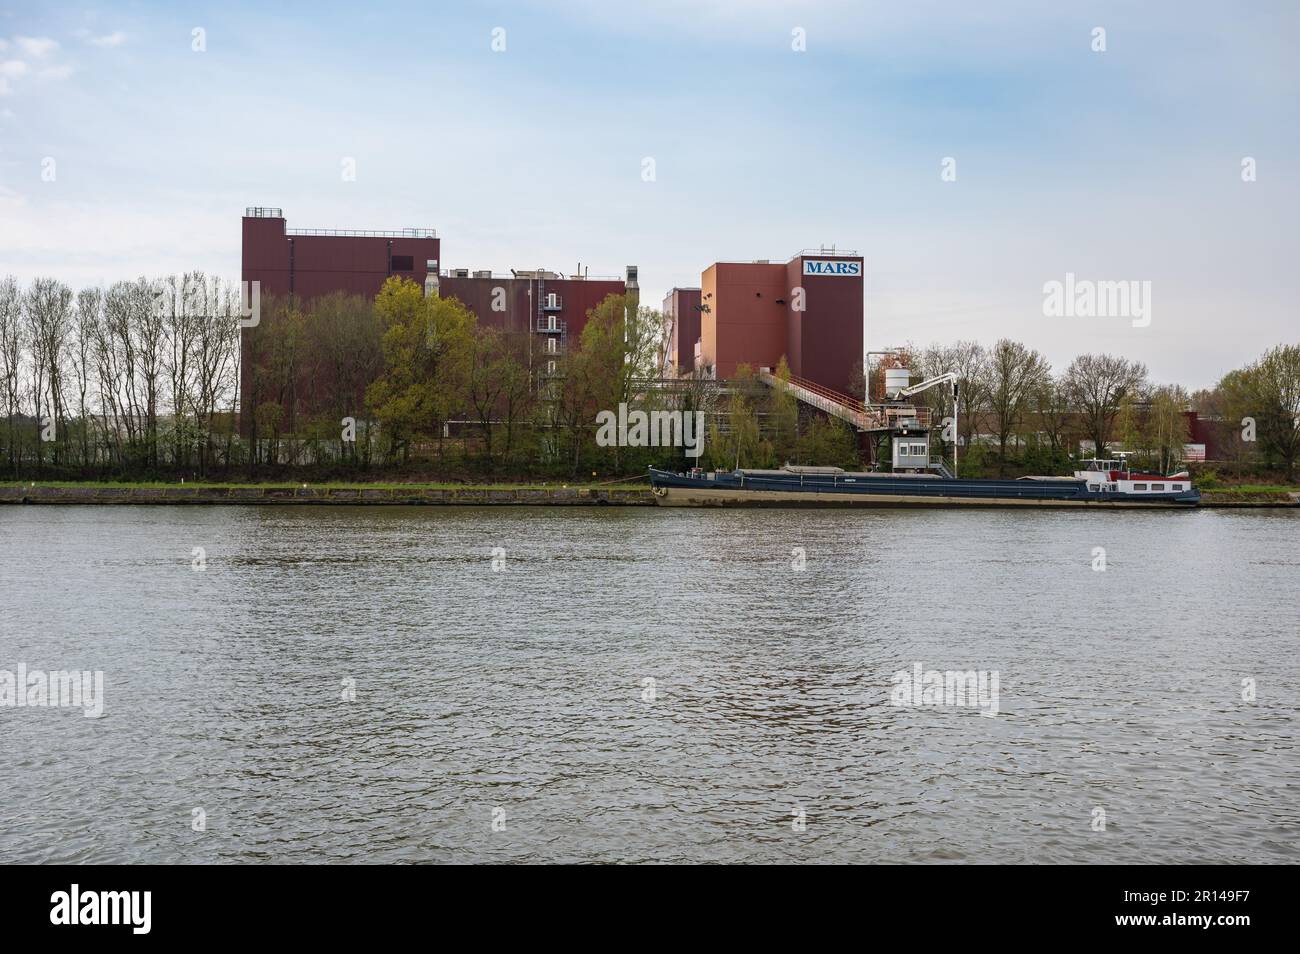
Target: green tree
738,440
1167,431
1268,392
427,346
346,334
783,416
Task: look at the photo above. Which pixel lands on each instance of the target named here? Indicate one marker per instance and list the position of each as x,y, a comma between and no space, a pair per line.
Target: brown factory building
551,305
681,313
808,310
309,263
313,262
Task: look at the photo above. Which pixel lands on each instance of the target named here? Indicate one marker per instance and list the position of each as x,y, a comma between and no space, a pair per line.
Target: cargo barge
1102,483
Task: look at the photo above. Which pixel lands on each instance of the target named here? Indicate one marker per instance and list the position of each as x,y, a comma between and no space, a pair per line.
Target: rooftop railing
367,233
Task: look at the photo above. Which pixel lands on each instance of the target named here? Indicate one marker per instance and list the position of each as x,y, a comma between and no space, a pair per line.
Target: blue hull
777,489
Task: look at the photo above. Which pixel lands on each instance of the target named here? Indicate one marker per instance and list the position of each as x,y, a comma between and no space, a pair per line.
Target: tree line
1016,412
154,380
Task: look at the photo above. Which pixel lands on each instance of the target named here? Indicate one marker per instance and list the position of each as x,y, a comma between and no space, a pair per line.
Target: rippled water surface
525,690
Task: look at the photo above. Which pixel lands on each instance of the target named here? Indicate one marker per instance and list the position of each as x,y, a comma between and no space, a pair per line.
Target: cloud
12,68
36,45
55,72
116,38
5,88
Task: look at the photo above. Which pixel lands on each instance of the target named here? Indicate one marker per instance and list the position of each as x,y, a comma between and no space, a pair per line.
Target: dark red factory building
313,262
309,263
551,305
808,309
681,311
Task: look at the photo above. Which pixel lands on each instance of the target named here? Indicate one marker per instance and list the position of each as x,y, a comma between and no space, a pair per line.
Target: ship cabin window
1157,486
1094,487
1139,486
1176,487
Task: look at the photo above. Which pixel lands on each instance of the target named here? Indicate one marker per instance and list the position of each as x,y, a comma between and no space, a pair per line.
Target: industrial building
313,262
551,305
681,311
808,310
309,263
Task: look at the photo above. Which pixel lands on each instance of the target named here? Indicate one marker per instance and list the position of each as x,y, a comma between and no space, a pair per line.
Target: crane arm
926,385
946,377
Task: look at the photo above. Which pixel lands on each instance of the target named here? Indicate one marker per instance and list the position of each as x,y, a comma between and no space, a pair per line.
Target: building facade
310,263
681,311
313,262
808,309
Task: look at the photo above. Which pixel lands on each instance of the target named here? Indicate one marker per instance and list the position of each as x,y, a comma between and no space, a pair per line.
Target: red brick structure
808,309
313,262
681,309
309,263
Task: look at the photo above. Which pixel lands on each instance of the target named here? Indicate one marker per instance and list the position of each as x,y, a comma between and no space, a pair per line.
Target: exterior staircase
862,417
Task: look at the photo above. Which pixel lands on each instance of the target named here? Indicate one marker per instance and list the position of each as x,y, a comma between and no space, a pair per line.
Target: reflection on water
650,685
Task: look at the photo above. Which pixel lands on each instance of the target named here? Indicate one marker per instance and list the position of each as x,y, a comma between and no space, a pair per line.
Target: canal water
544,684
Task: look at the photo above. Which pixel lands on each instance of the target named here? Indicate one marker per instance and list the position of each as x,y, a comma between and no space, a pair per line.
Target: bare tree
1015,371
89,305
1097,384
216,351
1052,404
346,352
970,362
48,308
184,303
13,343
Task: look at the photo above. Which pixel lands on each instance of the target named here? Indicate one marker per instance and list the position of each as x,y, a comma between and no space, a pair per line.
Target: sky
130,144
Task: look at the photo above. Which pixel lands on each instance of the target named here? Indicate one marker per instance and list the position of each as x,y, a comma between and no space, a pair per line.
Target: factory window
403,263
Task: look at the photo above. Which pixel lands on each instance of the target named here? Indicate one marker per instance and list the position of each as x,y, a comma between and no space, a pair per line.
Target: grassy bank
327,485
59,492
1250,495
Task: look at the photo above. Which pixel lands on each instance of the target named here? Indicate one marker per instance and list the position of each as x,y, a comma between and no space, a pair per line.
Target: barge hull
726,497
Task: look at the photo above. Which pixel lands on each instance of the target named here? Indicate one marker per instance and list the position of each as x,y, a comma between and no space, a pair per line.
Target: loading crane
948,377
